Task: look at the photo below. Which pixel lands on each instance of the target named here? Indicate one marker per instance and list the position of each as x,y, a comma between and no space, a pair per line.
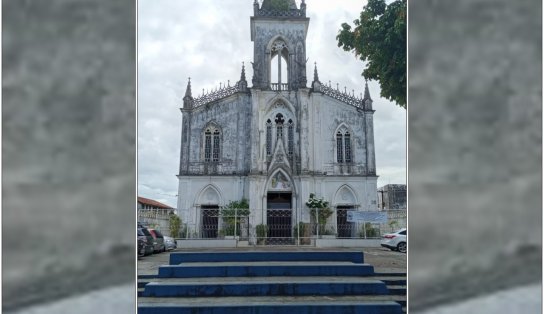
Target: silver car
170,243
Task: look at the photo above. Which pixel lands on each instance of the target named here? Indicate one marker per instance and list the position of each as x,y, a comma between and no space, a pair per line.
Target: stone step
269,269
270,305
181,289
396,290
393,281
256,256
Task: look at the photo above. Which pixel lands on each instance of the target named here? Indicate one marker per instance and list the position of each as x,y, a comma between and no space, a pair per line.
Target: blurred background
68,150
475,149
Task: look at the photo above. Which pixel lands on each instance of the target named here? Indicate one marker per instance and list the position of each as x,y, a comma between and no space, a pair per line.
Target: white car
395,241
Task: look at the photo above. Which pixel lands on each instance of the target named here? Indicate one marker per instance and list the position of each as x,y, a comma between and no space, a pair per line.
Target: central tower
278,33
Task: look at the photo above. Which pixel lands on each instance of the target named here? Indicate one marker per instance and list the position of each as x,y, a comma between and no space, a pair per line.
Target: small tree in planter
231,214
302,231
320,210
174,225
262,231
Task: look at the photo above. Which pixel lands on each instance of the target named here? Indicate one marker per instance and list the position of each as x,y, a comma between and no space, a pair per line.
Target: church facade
277,140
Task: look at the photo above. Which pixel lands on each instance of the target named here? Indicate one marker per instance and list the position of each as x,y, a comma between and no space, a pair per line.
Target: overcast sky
208,40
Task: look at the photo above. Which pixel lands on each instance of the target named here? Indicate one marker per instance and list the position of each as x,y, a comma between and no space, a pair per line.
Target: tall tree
379,38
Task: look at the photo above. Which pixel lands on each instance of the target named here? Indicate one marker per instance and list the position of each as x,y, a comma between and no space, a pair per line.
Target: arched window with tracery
343,146
290,137
212,144
347,147
268,137
279,126
278,65
339,147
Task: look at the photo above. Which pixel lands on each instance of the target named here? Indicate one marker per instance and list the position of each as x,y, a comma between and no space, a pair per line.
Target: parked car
395,241
147,240
170,243
158,240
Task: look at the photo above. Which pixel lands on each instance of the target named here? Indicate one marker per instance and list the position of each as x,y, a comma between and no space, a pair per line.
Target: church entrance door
279,219
210,221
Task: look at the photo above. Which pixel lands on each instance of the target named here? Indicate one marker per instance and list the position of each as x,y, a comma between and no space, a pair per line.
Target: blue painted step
203,257
387,307
171,271
370,287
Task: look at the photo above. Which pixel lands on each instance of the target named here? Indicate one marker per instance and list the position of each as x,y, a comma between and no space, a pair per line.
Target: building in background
277,141
392,197
154,214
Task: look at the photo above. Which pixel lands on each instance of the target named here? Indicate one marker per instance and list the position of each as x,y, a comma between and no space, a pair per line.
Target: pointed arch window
290,137
215,155
343,146
212,143
279,126
347,147
279,55
339,147
268,137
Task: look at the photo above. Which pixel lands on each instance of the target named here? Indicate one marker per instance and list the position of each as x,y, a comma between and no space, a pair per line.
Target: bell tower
278,33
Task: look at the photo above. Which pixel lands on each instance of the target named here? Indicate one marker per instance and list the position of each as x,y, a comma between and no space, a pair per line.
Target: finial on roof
188,101
316,76
367,92
243,75
188,90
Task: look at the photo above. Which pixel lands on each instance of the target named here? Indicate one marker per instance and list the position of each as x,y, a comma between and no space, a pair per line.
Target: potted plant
262,231
231,215
319,209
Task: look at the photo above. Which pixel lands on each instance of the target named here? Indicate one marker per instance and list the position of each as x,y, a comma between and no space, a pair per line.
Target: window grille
216,145
339,148
268,137
290,138
207,145
347,147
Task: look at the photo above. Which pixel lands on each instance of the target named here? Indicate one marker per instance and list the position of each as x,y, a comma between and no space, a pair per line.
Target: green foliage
393,224
231,214
319,208
379,37
314,202
236,208
262,233
371,231
174,225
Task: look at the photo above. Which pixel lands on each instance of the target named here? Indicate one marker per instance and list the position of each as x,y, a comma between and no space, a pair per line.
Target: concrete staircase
270,282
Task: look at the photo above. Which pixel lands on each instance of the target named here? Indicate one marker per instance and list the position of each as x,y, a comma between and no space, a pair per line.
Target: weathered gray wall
68,148
475,140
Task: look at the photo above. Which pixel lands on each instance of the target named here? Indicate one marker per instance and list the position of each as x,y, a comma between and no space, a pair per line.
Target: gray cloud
207,41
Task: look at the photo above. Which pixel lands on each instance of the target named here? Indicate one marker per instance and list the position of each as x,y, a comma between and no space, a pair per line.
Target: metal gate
210,223
343,227
280,228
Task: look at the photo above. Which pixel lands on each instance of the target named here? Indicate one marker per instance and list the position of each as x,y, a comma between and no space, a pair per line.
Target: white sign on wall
367,216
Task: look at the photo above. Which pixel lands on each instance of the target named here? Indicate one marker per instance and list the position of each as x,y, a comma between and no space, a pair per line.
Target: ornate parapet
341,96
220,93
280,13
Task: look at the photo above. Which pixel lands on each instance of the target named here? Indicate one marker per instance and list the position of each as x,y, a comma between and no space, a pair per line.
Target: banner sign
367,216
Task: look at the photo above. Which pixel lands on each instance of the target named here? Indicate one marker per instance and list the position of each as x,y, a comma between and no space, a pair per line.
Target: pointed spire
367,93
188,90
242,83
367,101
316,76
188,101
243,75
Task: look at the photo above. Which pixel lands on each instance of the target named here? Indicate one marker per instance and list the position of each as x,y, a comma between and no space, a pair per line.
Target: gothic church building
278,139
